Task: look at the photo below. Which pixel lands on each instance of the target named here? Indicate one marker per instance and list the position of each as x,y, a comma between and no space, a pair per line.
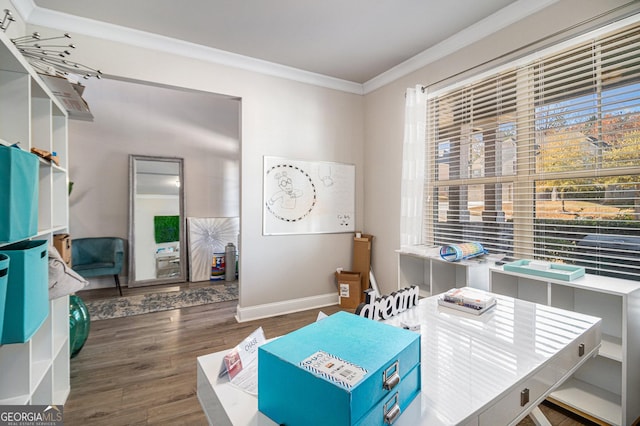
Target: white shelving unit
607,387
425,268
37,372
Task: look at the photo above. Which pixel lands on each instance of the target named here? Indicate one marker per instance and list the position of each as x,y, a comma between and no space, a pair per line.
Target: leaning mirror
156,220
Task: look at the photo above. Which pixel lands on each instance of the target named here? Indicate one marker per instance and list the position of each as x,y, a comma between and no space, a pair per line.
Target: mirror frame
182,277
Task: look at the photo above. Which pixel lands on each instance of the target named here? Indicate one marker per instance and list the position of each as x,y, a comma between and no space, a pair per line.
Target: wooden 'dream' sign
385,307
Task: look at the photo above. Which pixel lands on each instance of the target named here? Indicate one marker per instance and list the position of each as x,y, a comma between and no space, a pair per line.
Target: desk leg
538,417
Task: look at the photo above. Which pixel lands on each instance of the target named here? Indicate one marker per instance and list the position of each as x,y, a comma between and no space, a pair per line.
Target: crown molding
35,15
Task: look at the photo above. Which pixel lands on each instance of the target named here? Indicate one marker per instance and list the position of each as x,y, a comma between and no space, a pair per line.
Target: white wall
384,114
278,118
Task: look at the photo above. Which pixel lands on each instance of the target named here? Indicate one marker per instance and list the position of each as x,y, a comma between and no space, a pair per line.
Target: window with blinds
542,160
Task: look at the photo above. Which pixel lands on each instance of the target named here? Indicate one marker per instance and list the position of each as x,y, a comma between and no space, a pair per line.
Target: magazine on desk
468,300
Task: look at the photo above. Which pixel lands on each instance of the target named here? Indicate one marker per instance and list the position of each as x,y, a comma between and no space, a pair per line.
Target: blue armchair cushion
94,257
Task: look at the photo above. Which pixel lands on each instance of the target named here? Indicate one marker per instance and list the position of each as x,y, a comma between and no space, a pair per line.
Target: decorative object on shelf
468,300
79,324
455,252
387,306
546,269
49,156
63,280
7,19
51,58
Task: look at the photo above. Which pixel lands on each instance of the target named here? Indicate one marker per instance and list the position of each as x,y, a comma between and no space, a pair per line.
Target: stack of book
468,299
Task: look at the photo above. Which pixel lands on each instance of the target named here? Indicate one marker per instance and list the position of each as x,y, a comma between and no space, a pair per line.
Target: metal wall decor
51,55
7,19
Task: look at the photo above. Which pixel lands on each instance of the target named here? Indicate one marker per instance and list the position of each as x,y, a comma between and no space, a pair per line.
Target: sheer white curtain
412,187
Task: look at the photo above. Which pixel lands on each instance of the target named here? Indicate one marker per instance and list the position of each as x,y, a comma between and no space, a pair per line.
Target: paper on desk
241,363
247,379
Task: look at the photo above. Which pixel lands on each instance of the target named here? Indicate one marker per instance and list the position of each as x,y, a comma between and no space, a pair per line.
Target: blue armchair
94,257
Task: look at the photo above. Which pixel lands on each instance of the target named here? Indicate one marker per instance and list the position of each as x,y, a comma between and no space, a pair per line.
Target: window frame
525,117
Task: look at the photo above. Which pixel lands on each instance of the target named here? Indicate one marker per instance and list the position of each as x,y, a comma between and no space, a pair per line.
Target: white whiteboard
307,197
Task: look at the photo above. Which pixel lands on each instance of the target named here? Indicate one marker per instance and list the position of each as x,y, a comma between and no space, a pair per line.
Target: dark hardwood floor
141,370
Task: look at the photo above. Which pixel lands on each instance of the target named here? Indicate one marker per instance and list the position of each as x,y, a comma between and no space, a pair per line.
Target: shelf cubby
607,387
37,371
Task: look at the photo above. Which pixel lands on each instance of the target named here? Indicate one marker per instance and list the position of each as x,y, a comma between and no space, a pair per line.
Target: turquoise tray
558,271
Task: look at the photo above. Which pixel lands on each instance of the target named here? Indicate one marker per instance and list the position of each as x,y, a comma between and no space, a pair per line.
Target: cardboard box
62,243
349,288
362,259
342,370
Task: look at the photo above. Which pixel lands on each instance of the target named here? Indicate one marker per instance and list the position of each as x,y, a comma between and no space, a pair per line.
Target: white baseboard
267,310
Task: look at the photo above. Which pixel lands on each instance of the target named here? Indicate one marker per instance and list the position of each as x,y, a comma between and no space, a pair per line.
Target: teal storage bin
4,275
340,371
19,195
27,300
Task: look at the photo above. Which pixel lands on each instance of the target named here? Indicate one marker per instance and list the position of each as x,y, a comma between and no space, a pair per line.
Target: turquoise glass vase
79,324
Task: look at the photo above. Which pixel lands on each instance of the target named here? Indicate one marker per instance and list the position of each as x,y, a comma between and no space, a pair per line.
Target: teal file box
4,276
27,300
19,195
380,365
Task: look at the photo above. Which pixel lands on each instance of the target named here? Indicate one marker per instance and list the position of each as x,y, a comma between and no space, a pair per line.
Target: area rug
155,302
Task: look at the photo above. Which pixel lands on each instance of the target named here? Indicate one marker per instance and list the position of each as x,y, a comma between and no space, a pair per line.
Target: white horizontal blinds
472,136
588,157
543,160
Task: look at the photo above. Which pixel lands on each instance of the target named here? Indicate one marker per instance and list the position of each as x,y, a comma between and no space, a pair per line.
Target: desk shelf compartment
414,270
594,390
434,275
606,387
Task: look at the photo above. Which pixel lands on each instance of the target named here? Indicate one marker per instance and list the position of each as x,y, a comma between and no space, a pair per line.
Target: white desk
474,368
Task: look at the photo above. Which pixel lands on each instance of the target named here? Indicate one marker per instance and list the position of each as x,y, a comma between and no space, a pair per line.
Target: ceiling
350,40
